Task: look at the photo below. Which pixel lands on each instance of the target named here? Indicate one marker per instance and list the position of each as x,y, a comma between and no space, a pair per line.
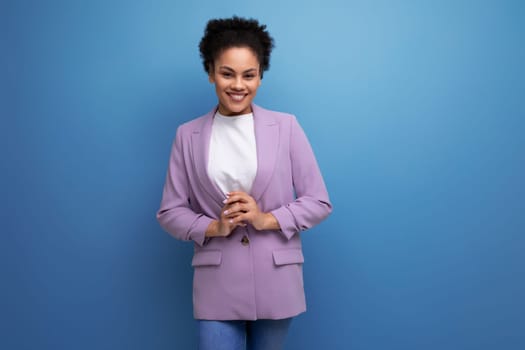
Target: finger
233,216
237,222
236,193
231,207
235,208
233,197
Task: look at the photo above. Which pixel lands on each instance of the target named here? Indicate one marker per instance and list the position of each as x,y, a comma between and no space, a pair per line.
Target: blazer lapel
200,140
267,139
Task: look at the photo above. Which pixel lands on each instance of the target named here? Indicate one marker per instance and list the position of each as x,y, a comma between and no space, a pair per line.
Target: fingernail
225,212
230,221
224,201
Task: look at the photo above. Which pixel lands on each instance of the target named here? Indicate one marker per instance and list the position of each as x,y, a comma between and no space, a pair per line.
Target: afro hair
224,33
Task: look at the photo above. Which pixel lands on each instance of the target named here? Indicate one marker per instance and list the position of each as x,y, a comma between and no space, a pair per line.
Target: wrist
212,230
266,221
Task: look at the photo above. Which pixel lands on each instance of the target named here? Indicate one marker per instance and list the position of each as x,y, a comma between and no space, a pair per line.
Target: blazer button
245,240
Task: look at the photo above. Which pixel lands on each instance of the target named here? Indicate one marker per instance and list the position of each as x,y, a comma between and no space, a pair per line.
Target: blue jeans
243,335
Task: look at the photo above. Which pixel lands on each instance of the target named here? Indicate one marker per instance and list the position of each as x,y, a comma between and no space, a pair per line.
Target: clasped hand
241,209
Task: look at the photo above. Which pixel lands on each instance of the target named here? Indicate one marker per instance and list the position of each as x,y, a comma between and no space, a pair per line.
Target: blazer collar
267,144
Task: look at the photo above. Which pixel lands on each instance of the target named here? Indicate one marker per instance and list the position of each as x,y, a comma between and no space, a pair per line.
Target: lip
236,96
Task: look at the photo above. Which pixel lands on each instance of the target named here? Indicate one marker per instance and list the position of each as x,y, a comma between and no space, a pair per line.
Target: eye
249,76
226,75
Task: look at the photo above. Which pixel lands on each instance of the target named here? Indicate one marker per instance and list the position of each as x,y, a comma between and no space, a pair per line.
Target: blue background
415,110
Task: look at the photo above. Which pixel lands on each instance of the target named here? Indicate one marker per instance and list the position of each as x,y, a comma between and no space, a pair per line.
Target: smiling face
236,75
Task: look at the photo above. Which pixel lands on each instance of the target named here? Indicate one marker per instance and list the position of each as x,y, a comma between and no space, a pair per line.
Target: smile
237,97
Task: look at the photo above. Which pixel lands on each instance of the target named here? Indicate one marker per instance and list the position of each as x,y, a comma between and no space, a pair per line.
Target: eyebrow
232,70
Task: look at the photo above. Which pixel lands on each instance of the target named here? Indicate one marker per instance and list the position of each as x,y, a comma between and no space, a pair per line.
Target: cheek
219,87
255,87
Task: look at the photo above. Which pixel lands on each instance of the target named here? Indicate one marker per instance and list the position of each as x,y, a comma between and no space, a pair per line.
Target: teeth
237,97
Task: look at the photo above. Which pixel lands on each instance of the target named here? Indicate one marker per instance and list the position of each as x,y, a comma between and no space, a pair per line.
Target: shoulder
271,116
196,124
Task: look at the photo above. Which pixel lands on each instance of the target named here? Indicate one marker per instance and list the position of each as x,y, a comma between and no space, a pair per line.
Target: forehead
237,58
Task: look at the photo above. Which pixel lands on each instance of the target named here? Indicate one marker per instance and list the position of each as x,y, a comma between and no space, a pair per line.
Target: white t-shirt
232,161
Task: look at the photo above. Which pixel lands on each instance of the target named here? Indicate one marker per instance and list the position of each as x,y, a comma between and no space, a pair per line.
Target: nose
237,84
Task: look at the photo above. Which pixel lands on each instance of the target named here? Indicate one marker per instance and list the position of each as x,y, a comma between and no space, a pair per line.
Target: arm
312,204
175,215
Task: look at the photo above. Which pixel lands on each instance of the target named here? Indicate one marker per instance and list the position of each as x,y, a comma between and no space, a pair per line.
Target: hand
224,226
240,208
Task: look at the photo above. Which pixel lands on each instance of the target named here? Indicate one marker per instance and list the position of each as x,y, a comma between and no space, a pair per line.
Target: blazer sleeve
312,204
175,214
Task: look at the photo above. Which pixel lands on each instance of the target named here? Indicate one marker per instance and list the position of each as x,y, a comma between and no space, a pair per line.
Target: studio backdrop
414,109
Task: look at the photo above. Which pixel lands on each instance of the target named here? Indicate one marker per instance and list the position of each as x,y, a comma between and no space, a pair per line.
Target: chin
229,110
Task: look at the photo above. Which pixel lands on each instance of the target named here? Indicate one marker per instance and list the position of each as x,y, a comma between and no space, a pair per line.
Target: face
236,76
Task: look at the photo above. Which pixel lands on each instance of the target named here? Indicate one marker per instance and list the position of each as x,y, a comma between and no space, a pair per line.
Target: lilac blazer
250,274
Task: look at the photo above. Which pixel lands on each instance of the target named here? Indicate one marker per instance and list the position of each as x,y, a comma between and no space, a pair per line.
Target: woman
242,183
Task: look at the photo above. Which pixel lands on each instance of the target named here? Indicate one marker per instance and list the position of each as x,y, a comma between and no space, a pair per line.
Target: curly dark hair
224,33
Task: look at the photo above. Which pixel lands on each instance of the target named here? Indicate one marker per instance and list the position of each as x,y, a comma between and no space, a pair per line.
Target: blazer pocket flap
288,256
207,258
